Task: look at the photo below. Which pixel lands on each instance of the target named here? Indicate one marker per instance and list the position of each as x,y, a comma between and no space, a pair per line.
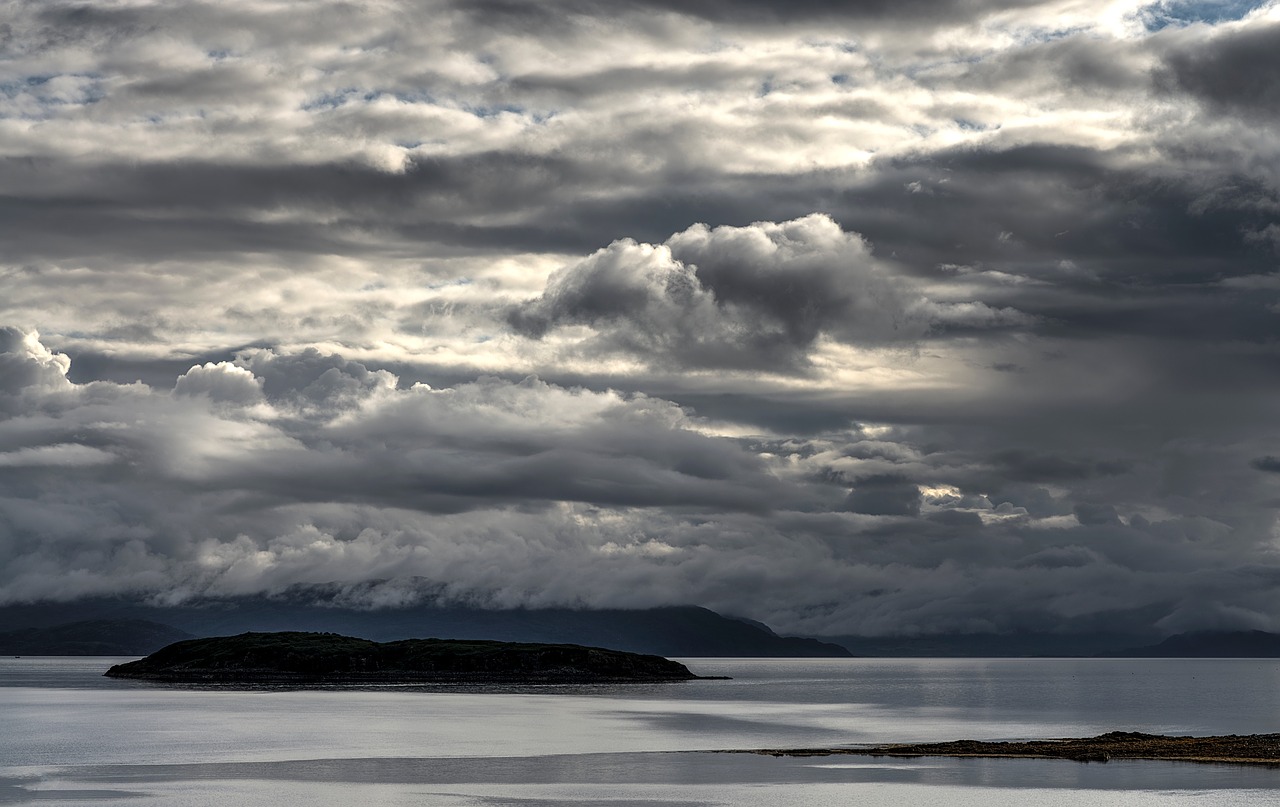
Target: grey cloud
614,80
1267,463
1101,209
957,518
1059,557
209,463
1235,71
1031,468
221,382
26,363
484,444
807,275
884,495
66,455
1114,252
356,438
1038,501
202,208
879,449
749,13
1096,514
756,296
1059,66
314,379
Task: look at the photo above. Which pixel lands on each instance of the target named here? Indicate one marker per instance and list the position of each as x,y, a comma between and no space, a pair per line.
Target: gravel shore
1247,749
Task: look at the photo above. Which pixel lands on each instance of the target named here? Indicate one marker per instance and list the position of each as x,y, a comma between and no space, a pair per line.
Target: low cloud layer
850,317
277,469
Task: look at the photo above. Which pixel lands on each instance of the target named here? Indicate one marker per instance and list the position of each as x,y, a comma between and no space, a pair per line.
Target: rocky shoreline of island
1239,749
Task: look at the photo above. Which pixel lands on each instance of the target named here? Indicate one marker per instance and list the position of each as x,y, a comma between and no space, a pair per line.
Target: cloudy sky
853,317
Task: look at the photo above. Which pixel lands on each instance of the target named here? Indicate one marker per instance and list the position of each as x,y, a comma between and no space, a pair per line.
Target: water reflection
702,768
72,737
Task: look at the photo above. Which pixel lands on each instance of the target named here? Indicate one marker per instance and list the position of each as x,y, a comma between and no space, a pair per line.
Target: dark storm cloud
1055,65
1043,468
1268,463
1113,221
203,208
1234,72
884,495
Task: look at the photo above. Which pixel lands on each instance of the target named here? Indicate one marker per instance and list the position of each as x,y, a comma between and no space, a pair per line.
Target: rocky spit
1245,749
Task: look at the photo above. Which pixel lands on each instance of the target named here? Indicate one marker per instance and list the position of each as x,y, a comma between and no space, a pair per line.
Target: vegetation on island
295,657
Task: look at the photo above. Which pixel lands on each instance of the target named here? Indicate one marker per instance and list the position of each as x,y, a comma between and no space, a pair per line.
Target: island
328,658
1247,749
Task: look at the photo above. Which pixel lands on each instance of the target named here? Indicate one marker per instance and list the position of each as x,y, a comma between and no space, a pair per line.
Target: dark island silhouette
328,658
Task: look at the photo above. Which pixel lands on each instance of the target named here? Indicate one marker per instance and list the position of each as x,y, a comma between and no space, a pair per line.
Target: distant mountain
990,645
98,637
686,631
1209,644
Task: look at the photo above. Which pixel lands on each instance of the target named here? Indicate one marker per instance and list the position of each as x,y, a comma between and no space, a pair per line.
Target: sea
69,736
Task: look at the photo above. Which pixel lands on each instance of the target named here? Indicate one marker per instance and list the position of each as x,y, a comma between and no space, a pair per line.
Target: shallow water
71,736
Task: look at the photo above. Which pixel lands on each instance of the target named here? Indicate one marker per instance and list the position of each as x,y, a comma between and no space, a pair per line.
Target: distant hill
97,637
1212,644
118,627
990,645
686,631
1209,644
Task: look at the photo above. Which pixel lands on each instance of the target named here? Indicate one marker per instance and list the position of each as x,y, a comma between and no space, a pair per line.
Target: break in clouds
850,317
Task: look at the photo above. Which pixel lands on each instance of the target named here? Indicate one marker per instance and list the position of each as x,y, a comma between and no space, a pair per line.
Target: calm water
70,736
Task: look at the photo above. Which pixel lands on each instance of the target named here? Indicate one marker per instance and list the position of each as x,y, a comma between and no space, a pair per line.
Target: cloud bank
850,317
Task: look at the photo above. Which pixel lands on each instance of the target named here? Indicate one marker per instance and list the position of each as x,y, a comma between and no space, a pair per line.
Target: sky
859,317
